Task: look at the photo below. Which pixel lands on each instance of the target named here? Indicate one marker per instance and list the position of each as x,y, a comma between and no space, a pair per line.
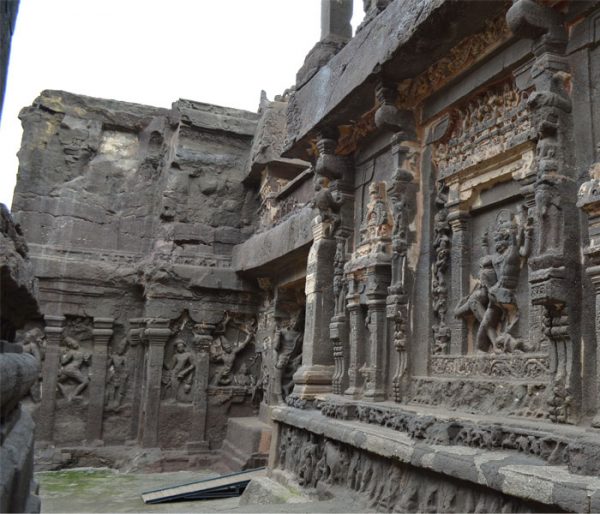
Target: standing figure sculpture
117,377
288,355
493,302
226,352
71,362
180,372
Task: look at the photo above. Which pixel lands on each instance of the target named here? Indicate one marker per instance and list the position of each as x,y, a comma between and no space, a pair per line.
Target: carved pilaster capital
157,331
458,220
102,330
54,328
531,20
328,163
203,336
594,273
388,116
136,328
353,302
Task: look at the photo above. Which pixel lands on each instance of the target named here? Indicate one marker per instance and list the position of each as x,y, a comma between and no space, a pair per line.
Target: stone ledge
522,476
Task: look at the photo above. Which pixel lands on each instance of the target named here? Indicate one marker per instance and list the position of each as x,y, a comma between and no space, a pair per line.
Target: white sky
154,52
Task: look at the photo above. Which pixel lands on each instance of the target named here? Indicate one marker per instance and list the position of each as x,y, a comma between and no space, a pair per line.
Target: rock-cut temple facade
385,283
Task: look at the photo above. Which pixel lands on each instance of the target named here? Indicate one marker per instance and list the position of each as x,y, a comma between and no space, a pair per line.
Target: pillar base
312,381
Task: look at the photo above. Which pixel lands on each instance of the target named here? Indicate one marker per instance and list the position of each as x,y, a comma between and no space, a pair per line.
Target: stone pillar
157,333
378,280
102,332
134,335
54,331
356,345
338,331
335,20
314,376
459,269
202,340
589,201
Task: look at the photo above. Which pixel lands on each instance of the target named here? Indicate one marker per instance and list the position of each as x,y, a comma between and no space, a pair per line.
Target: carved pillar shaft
202,340
54,332
459,266
338,332
157,333
375,386
102,333
137,349
356,345
314,376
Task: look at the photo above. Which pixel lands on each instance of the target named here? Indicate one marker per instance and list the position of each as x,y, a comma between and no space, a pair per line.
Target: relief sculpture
73,369
179,374
117,377
493,302
225,353
288,352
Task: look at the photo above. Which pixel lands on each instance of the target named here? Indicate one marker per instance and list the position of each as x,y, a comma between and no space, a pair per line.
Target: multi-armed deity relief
493,301
73,376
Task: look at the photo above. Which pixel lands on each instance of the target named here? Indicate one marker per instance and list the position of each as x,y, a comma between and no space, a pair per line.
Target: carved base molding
524,398
322,463
415,470
526,366
553,448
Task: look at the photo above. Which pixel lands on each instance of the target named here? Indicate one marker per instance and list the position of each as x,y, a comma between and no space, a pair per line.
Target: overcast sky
154,52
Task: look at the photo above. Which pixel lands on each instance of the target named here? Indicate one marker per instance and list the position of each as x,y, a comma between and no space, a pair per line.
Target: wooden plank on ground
218,487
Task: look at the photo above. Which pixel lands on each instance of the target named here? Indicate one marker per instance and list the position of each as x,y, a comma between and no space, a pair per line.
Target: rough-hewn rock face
19,371
132,213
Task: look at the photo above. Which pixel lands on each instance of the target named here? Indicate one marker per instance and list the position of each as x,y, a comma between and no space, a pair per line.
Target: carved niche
486,325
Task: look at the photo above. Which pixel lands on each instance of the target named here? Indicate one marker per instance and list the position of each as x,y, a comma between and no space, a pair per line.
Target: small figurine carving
226,352
117,377
180,373
72,360
377,222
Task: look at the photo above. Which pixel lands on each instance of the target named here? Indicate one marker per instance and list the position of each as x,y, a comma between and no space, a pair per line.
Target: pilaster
356,345
201,343
54,332
459,262
157,333
134,336
315,374
102,332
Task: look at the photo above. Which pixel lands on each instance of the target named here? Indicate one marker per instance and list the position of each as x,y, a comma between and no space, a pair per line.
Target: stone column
378,280
102,332
356,345
589,201
335,20
134,335
459,279
157,333
314,376
54,332
338,331
202,340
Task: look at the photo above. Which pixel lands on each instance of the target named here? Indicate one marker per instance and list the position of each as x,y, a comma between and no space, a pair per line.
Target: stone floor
104,490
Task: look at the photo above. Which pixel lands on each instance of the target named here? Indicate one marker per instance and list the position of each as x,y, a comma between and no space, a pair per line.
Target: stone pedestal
202,340
157,333
314,376
54,332
134,336
102,332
